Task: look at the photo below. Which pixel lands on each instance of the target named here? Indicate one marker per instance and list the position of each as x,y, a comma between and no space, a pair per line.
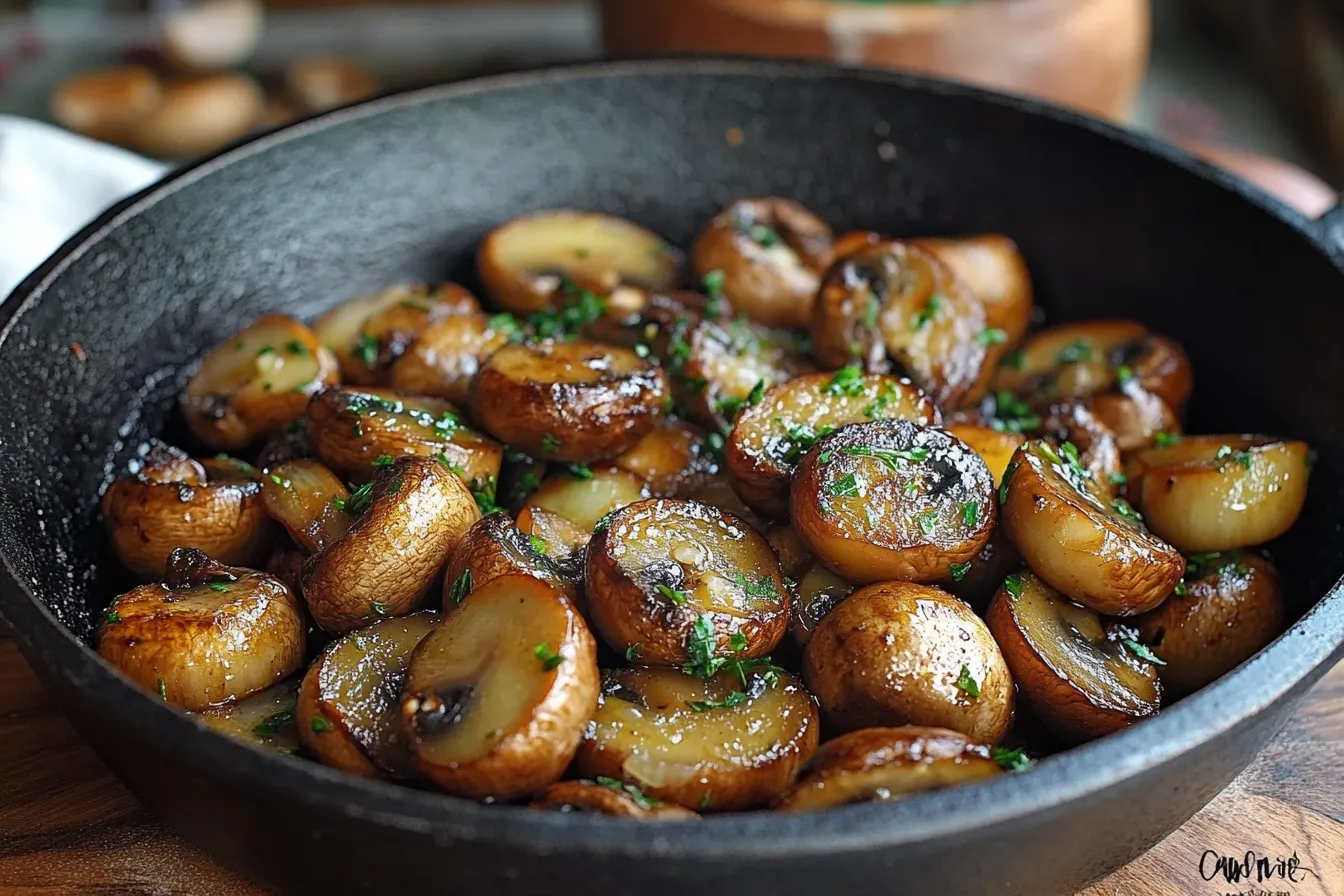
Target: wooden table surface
67,826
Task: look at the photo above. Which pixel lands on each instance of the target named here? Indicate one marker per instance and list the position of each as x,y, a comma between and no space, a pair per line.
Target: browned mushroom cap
1069,360
290,443
896,301
877,764
1216,493
1159,366
771,436
265,720
819,592
1230,606
256,382
208,635
660,568
497,696
525,263
370,333
1081,540
388,563
494,547
727,743
1077,676
585,495
349,707
899,653
893,500
171,501
675,458
607,796
572,401
993,269
306,498
447,353
718,367
769,255
354,431
1135,416
1073,421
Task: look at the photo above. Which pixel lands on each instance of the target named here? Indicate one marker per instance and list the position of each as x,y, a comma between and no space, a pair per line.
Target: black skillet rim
1073,776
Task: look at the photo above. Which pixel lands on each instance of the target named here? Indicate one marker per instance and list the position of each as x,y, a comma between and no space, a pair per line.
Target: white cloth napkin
52,183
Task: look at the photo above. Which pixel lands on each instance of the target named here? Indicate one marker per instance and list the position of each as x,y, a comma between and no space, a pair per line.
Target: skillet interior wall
407,191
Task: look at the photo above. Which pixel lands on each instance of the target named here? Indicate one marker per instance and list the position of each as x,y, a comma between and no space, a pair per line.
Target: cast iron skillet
1111,224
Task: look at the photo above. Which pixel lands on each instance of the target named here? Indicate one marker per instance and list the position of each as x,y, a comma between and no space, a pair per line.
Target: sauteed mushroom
992,268
266,719
583,495
307,499
209,634
673,459
494,546
498,694
447,353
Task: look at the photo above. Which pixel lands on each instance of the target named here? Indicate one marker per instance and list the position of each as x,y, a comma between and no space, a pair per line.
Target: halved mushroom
992,268
525,262
256,382
893,500
607,796
1081,540
265,720
1072,421
349,707
1081,676
584,495
369,333
995,446
498,694
1230,606
447,353
407,523
564,540
673,459
354,431
1134,415
170,501
1216,493
208,635
660,568
307,499
768,254
494,546
877,764
898,653
727,743
772,435
572,401
895,302
819,592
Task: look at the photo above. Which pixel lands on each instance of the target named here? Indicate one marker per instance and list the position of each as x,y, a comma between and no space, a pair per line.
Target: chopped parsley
271,725
483,490
645,801
320,725
549,658
846,381
967,684
550,444
452,467
928,313
632,653
1012,760
702,648
677,597
1007,477
764,236
762,587
358,502
928,521
991,336
163,690
112,616
713,445
507,324
581,307
959,571
461,587
280,480
1165,439
1013,585
384,460
801,439
295,347
1076,352
713,286
1125,509
1117,478
1140,650
886,397
1245,458
844,487
1123,374
580,471
537,544
1012,415
970,513
367,349
1016,359
379,609
220,587
728,407
890,458
734,699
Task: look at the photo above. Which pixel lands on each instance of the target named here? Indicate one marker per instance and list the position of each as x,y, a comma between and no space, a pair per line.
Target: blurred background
1256,85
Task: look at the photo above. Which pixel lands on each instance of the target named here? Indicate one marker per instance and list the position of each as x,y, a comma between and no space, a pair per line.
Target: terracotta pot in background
1088,54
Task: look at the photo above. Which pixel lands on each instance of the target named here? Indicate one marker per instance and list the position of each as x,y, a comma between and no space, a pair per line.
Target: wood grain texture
68,827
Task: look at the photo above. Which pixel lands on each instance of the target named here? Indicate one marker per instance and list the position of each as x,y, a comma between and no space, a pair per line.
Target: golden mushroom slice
1216,493
349,706
584,495
563,539
767,256
256,382
1082,677
1081,540
657,569
675,458
878,764
571,401
406,525
494,546
1136,417
354,431
209,635
447,353
819,592
732,741
895,302
992,268
771,436
893,500
308,500
265,720
498,694
370,333
1230,606
171,501
898,653
607,796
525,263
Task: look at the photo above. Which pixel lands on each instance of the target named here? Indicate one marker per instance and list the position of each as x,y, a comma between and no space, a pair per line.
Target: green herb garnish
846,381
844,487
271,725
367,349
959,571
967,684
549,658
461,587
1140,650
1013,585
674,595
320,725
